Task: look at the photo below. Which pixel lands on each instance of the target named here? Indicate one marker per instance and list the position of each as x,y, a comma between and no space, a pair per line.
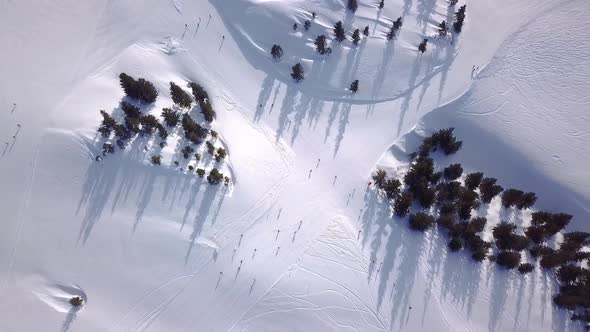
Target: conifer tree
356,37
140,89
422,46
294,26
276,51
397,24
339,33
459,19
297,73
381,4
354,86
320,44
179,96
352,5
443,29
307,25
366,31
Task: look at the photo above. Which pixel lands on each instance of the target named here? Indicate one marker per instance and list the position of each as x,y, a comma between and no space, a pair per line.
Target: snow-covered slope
145,245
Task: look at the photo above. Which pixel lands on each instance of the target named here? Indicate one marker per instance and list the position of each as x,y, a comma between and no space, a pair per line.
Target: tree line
454,201
321,42
136,123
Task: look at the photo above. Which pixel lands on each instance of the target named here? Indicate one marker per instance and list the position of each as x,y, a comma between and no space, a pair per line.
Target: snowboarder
98,158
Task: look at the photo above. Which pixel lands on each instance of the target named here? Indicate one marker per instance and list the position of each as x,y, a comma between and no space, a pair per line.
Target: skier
368,185
318,164
185,26
98,158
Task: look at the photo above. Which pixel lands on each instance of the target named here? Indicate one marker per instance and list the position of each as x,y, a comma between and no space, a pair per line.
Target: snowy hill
297,242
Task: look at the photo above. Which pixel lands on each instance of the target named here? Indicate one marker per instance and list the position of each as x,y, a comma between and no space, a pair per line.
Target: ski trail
21,219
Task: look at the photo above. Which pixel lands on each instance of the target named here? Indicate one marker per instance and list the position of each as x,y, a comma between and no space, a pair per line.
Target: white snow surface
301,248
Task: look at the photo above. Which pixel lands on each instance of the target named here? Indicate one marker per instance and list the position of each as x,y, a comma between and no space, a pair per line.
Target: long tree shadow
424,10
383,68
408,98
70,318
201,217
264,96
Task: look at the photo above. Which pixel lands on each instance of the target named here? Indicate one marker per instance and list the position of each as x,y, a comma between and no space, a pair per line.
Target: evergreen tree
171,117
339,33
354,86
276,51
453,172
459,19
421,221
214,176
352,5
179,96
187,151
320,45
508,259
489,189
207,110
297,73
199,93
220,155
396,26
108,124
403,203
294,26
443,28
356,37
200,172
379,178
422,46
381,4
366,31
392,188
210,147
472,180
140,89
307,25
156,160
453,2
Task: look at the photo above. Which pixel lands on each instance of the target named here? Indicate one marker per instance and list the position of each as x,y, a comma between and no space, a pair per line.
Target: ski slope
301,243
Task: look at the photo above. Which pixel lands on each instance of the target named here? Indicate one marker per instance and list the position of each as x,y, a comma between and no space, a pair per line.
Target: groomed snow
145,245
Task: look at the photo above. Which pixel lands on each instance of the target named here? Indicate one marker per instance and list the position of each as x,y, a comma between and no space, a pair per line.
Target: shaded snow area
297,242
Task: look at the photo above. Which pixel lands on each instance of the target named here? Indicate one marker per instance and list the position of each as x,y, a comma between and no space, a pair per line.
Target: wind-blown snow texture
145,245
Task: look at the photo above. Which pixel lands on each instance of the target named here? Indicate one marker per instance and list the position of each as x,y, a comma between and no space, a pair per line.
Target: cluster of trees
518,198
443,139
202,98
140,89
135,122
424,187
